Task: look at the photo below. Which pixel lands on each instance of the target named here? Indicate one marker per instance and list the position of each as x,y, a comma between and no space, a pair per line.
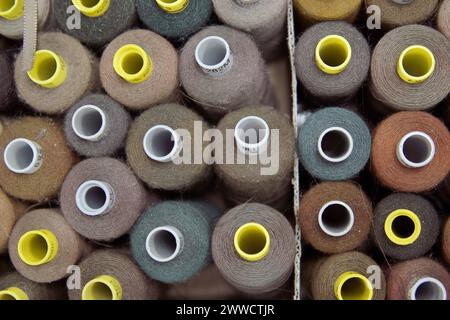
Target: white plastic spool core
252,135
162,143
402,1
335,144
428,288
89,123
416,149
336,218
213,55
164,244
23,156
94,198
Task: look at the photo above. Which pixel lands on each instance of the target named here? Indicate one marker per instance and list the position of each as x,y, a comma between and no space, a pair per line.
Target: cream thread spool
428,288
214,56
416,150
335,144
164,244
23,156
94,198
336,218
89,123
252,135
161,143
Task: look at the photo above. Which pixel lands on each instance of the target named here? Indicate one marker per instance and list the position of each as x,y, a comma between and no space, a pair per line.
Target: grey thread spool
247,181
10,282
171,241
156,129
82,75
96,27
405,226
175,26
266,244
332,62
96,126
334,144
389,92
265,20
102,199
222,70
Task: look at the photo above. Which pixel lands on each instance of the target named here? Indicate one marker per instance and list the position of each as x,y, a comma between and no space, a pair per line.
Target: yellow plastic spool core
333,54
49,69
252,242
132,63
91,8
408,227
37,247
353,286
11,9
13,293
416,64
102,288
172,6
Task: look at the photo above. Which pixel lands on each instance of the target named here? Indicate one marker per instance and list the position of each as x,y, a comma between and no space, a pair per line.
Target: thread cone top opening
252,135
336,218
353,286
162,143
104,287
49,69
335,144
13,293
402,227
333,54
23,156
428,288
252,242
132,63
164,244
89,123
416,150
416,64
213,55
172,6
37,247
92,8
11,9
94,198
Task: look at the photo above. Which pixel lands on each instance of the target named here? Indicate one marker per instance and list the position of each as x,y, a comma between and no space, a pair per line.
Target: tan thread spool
443,19
10,211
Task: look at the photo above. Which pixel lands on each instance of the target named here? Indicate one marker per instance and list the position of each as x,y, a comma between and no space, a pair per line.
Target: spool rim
327,229
367,293
393,237
94,11
350,144
338,41
29,243
14,12
426,139
153,247
110,282
252,148
416,51
150,139
125,55
76,122
256,229
437,285
82,202
13,293
205,46
176,6
12,150
59,75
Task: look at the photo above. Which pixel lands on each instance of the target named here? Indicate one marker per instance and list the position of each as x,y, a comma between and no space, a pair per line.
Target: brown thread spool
13,286
160,81
335,217
112,275
402,152
418,279
156,128
69,249
10,212
446,242
395,14
244,182
310,12
405,226
253,246
443,19
81,70
343,276
424,83
7,90
101,198
55,158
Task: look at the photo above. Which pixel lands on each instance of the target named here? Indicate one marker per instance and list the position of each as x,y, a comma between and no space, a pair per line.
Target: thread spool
310,12
424,84
63,72
410,152
445,244
418,279
10,211
49,236
344,276
394,14
11,17
334,144
13,286
96,126
175,20
35,158
253,247
335,217
257,180
443,19
332,62
231,59
100,21
265,20
406,226
112,275
160,83
151,148
177,234
7,90
102,199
